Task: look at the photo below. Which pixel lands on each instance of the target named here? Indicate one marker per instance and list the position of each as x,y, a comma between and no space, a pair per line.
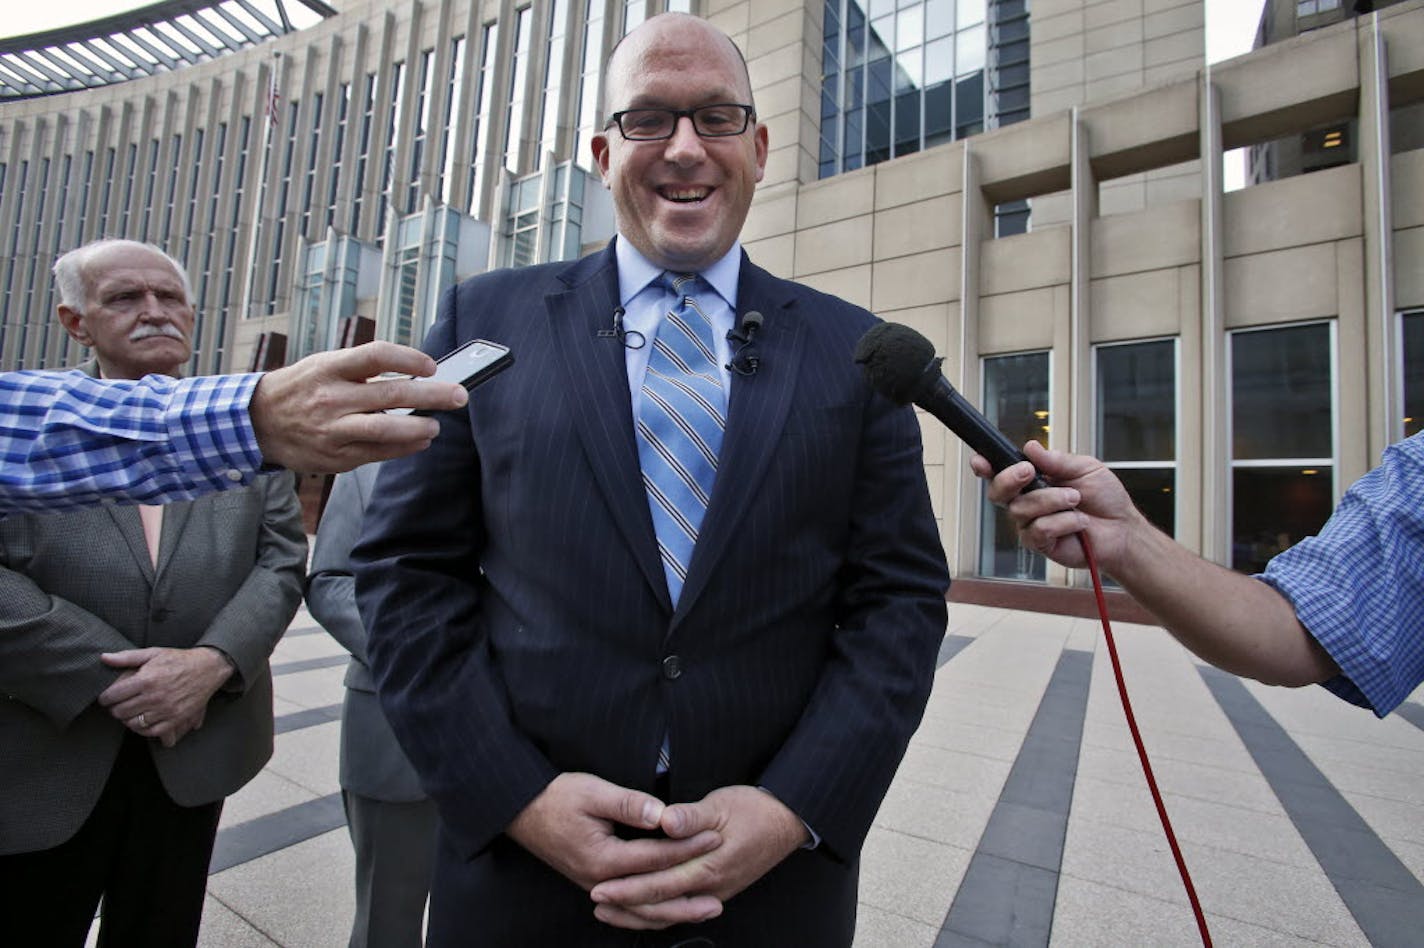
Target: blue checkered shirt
68,440
1358,586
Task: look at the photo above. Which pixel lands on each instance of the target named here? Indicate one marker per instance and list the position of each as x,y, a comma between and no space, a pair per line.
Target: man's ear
599,145
73,323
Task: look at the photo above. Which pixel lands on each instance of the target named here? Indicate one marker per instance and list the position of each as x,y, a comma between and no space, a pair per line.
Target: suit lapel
597,373
175,519
756,412
130,527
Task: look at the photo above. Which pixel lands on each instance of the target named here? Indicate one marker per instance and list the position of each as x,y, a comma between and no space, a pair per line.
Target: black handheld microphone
900,364
744,361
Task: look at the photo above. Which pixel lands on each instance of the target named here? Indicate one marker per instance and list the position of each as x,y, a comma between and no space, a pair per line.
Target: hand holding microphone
901,365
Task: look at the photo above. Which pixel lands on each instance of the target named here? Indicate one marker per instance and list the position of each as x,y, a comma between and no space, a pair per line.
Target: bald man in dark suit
628,745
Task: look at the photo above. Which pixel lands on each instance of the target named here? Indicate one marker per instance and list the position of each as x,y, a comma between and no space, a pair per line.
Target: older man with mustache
133,650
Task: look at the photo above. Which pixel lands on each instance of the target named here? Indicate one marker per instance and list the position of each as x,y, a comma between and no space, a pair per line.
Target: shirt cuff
211,431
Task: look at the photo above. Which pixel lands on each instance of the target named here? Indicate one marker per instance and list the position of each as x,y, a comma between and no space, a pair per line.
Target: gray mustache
157,329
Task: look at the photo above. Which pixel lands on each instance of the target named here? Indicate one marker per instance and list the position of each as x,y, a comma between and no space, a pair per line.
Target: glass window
489,43
363,152
970,12
553,82
1282,438
633,14
518,69
939,18
338,149
910,29
1012,217
591,76
969,105
1015,401
422,130
389,168
1137,423
1412,325
969,51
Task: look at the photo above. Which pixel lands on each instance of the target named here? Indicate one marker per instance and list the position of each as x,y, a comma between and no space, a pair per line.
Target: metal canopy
157,38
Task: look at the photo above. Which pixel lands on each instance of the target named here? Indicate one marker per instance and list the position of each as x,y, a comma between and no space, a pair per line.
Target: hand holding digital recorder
469,365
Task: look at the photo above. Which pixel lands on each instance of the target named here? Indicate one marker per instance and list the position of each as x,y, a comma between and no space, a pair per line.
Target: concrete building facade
1238,357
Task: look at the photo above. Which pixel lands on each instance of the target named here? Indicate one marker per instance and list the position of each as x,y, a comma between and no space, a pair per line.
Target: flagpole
271,119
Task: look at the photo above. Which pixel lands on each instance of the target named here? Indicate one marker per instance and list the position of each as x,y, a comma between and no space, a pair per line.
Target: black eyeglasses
722,120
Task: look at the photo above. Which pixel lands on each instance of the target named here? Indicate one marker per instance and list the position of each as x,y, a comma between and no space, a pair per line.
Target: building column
1212,383
1381,329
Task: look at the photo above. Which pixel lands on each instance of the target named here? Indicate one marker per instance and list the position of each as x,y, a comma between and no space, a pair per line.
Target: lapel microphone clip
745,361
630,339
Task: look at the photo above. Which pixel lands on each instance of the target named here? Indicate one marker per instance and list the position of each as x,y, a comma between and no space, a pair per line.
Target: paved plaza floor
1020,815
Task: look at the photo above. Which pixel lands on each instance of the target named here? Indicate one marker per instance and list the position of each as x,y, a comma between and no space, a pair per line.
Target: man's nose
685,144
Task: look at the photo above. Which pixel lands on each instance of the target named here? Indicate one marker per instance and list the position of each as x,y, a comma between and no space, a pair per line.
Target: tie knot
681,284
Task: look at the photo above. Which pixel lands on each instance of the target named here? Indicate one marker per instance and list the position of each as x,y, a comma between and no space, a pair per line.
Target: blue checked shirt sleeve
68,440
1358,587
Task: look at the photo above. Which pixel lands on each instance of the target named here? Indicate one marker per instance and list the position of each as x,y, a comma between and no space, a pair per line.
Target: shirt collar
635,272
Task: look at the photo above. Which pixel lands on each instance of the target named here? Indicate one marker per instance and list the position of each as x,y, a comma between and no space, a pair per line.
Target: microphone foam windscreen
894,358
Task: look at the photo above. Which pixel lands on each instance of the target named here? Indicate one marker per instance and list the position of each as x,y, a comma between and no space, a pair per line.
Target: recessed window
1137,423
1016,402
1282,439
1412,330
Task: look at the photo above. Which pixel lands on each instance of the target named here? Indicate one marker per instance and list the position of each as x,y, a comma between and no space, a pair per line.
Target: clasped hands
708,852
163,693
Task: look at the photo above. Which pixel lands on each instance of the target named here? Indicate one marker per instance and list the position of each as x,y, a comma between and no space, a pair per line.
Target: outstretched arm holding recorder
68,440
1344,608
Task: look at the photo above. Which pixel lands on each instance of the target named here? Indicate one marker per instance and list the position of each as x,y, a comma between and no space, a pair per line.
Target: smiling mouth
685,195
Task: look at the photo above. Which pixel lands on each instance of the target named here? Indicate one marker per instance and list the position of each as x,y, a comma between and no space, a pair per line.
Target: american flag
274,100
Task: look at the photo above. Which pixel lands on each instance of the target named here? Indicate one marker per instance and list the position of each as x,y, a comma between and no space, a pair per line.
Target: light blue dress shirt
645,302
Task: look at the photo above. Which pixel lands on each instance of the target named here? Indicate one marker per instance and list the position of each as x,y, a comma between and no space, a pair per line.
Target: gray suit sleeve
331,587
50,647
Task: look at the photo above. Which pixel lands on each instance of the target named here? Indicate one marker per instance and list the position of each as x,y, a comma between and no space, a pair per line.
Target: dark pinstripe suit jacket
520,624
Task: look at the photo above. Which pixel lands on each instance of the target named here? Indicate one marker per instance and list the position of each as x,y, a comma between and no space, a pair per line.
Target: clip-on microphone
625,337
745,361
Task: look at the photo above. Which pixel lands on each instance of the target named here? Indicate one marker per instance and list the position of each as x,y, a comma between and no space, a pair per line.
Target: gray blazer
73,585
372,763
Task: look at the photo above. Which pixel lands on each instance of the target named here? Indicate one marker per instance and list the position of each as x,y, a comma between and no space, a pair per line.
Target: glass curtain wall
1282,438
898,77
1016,402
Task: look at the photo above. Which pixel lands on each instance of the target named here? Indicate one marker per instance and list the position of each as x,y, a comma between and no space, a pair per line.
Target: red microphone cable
1137,740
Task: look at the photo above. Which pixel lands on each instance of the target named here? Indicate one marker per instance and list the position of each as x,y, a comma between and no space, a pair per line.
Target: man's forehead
131,266
657,67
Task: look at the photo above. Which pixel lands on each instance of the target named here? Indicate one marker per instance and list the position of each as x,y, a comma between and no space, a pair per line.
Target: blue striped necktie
680,420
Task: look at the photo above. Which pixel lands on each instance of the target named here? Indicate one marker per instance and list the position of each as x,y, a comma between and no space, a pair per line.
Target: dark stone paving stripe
1384,896
308,664
304,630
952,646
1009,890
268,834
310,717
1413,713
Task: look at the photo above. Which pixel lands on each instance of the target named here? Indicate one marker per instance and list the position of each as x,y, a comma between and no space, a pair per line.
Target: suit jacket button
161,615
672,667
